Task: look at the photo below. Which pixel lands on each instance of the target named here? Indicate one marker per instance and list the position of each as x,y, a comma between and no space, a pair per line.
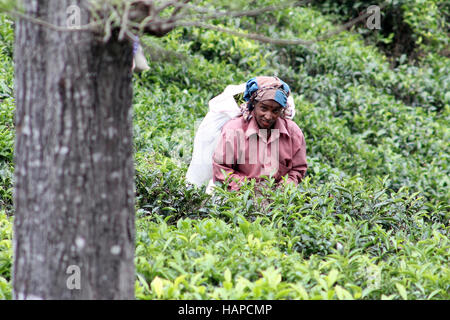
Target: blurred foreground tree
74,196
74,189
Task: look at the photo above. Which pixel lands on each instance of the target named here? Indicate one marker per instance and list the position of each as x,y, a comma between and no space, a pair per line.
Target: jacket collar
280,128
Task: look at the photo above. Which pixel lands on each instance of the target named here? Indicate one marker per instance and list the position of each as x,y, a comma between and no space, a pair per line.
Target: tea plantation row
371,219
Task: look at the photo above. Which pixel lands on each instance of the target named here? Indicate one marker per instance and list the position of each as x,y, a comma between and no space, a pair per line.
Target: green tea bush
161,190
375,187
369,221
6,113
5,255
314,242
409,29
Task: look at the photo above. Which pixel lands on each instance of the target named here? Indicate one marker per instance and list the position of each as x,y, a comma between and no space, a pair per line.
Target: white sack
139,61
221,109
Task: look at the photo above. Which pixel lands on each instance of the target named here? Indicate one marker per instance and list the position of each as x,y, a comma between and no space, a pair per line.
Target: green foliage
5,255
6,112
410,30
360,226
428,20
160,190
7,5
370,220
231,49
334,241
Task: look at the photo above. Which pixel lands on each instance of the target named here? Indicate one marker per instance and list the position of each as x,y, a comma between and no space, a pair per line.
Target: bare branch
141,16
123,27
140,10
167,5
87,27
349,24
254,12
205,14
177,12
266,39
160,27
252,36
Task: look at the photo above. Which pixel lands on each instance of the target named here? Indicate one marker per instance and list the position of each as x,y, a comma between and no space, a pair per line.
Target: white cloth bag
139,61
221,109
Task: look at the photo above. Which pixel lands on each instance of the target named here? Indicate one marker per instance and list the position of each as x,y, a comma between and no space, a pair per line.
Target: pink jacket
244,151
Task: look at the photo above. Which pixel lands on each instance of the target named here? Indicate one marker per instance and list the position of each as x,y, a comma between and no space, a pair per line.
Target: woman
262,141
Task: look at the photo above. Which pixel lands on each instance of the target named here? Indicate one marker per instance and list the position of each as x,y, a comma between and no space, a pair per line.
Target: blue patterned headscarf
266,88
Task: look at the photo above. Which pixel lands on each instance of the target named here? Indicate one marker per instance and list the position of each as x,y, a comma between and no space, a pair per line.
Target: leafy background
370,220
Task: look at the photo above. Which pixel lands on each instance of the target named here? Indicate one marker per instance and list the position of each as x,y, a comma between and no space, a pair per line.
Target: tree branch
178,10
349,24
143,17
266,39
254,12
87,27
160,27
252,36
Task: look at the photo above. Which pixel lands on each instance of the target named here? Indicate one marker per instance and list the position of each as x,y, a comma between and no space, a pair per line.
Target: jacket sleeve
225,155
299,163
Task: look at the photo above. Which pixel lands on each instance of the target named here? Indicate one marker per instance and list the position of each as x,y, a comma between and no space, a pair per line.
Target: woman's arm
224,157
299,164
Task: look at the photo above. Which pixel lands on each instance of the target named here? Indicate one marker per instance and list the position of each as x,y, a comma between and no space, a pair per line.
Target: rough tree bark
74,171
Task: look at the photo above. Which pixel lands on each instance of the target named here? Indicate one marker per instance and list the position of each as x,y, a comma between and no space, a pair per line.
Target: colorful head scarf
266,88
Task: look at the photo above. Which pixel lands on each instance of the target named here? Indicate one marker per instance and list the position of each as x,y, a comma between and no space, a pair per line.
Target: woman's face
266,113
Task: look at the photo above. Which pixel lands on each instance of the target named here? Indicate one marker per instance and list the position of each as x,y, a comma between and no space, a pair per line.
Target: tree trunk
74,170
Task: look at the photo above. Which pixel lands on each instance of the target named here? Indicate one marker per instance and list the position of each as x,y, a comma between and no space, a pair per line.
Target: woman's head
264,88
266,113
267,99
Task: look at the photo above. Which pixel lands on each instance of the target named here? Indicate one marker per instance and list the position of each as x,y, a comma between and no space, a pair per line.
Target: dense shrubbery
6,114
371,219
